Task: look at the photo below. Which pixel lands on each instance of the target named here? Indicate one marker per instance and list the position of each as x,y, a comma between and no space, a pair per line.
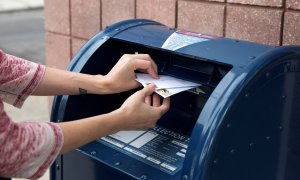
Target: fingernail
151,85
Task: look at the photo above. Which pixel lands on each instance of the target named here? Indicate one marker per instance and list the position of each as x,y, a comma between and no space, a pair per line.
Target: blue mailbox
242,123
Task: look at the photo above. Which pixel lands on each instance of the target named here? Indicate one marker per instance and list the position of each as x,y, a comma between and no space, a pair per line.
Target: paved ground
22,34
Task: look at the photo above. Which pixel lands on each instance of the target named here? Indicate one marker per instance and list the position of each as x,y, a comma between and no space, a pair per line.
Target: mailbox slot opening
185,107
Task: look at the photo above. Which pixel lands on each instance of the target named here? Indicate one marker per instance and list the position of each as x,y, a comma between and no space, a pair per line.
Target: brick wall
70,23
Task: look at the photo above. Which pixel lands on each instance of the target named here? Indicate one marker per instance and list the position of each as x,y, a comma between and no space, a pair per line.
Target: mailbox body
241,123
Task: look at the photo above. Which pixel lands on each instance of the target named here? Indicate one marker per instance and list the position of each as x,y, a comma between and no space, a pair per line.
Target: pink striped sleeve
18,78
27,149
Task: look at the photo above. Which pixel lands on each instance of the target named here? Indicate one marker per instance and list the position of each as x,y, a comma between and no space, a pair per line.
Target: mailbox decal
158,147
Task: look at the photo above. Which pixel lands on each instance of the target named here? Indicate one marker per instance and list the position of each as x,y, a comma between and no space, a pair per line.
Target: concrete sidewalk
17,5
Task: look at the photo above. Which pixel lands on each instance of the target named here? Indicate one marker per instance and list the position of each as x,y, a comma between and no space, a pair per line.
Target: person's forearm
61,82
80,132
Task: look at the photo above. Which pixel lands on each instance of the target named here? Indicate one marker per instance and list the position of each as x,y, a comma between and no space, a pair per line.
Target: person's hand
122,75
138,113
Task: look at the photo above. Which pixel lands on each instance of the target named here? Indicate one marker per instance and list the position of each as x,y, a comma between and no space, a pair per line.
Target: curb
20,9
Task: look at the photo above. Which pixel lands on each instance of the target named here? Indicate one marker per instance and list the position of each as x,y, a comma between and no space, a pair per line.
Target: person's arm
120,78
136,113
62,82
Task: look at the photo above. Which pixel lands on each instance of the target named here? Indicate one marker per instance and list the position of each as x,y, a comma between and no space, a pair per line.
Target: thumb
148,90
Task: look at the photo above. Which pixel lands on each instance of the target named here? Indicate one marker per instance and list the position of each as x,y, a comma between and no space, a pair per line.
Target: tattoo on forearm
82,91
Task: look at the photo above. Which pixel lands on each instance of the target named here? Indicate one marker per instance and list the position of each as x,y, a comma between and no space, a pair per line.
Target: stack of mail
166,85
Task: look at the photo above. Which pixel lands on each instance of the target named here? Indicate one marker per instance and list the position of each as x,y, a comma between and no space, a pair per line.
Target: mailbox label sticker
182,38
158,147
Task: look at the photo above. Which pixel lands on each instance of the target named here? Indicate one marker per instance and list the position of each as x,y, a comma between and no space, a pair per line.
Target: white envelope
164,82
166,86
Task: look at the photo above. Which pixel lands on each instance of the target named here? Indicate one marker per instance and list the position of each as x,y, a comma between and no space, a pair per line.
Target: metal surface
264,111
243,127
